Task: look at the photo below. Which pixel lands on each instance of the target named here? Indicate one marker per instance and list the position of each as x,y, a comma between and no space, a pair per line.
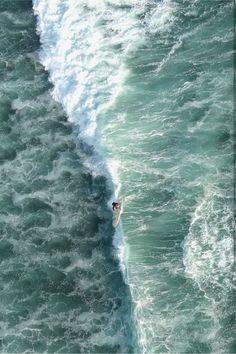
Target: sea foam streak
209,244
87,74
84,47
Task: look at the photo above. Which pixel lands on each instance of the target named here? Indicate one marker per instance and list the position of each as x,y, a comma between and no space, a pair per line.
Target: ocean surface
104,100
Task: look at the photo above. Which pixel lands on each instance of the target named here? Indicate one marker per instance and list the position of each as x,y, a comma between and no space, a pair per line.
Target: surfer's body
117,210
116,206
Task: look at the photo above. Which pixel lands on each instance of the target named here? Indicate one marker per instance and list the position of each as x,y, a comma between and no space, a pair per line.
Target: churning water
141,108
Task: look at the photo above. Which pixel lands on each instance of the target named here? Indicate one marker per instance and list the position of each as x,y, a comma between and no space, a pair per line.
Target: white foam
86,73
208,247
161,18
78,52
78,39
85,44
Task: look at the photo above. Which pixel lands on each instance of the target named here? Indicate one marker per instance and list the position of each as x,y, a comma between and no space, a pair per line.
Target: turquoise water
116,99
61,290
171,129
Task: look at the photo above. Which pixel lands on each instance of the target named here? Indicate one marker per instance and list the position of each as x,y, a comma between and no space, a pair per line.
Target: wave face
61,289
148,85
172,128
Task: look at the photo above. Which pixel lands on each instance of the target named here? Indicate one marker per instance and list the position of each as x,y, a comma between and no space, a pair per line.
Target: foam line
84,47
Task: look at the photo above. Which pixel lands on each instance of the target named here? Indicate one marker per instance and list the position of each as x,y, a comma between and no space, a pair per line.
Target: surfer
117,210
115,206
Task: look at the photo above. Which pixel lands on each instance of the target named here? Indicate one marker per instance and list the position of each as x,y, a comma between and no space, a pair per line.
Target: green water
149,88
60,289
171,128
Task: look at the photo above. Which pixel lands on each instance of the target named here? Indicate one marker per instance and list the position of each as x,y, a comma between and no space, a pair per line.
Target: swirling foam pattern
61,290
147,88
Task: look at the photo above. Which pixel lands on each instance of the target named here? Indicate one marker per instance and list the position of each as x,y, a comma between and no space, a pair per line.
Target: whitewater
108,99
61,288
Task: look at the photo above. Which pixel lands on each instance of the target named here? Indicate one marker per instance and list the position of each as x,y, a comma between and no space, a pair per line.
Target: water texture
61,290
172,131
146,89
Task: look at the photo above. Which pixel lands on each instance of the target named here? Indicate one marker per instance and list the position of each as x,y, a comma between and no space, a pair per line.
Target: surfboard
116,215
